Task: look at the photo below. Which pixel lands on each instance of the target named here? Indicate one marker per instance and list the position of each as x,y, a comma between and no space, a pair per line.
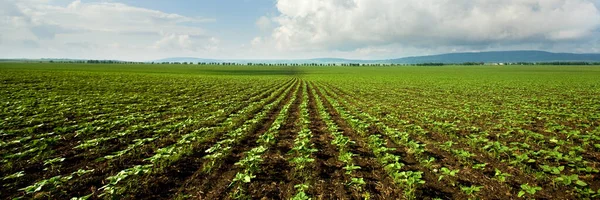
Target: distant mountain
450,58
316,60
485,57
499,57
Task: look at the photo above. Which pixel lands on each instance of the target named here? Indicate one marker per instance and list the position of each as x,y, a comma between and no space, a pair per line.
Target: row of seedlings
417,149
140,142
211,112
99,125
249,164
517,154
223,148
408,180
187,145
302,150
218,114
343,143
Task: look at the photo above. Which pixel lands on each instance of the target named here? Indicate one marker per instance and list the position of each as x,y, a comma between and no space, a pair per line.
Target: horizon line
300,59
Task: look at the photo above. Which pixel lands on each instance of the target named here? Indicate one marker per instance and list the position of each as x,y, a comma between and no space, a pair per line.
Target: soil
277,177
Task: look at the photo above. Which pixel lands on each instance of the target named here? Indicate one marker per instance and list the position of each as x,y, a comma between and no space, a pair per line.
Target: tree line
319,64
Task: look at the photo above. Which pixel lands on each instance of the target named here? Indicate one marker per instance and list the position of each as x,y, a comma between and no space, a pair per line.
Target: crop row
542,163
162,134
234,128
250,164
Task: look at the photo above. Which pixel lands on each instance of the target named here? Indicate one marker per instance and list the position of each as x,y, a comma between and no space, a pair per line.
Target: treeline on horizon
317,64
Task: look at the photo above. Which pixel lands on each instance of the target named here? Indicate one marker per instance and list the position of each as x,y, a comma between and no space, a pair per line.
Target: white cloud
110,17
108,30
256,41
174,41
74,5
264,24
353,24
214,40
362,29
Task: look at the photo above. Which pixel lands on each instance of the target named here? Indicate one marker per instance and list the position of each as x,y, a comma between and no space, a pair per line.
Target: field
102,131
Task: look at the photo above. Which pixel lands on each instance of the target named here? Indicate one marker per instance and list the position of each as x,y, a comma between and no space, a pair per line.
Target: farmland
102,131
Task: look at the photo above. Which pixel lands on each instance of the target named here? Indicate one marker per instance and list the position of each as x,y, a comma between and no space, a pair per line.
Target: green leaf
581,183
521,193
38,188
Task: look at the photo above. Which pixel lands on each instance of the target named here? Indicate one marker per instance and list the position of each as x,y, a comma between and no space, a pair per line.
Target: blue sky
290,29
234,19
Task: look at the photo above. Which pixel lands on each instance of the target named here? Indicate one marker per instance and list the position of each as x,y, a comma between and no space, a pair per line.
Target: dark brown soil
82,159
493,189
327,175
275,180
90,183
215,185
277,177
378,183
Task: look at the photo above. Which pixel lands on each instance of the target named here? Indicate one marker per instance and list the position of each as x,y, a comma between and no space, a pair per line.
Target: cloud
110,17
9,9
46,31
256,41
174,41
354,24
264,24
109,29
185,42
30,44
365,29
86,46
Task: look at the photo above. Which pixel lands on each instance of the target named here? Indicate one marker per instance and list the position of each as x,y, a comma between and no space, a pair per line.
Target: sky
144,30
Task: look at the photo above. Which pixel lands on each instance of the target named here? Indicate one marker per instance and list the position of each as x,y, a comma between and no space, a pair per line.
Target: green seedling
587,193
462,154
570,179
82,172
447,172
501,176
409,180
528,190
350,168
86,197
471,191
15,175
53,183
357,182
480,166
393,167
552,170
346,157
301,192
268,139
428,163
243,178
523,158
301,196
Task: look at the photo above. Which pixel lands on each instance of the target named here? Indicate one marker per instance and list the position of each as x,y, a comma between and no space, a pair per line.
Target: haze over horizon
144,30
